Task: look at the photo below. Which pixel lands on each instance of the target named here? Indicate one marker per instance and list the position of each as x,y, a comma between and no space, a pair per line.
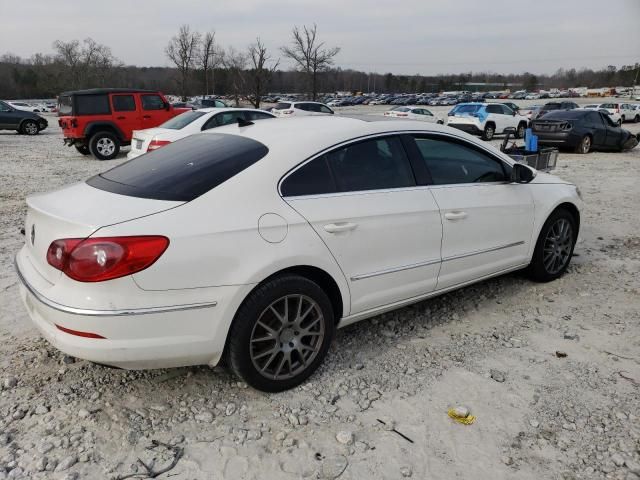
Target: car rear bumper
554,138
158,337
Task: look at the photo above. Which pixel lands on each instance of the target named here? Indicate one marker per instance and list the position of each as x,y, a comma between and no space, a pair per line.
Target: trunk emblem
33,233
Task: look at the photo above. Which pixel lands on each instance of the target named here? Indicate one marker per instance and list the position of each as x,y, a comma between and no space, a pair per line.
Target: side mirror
521,173
167,106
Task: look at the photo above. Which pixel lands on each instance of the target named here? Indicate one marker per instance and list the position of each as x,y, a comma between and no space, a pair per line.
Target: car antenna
244,123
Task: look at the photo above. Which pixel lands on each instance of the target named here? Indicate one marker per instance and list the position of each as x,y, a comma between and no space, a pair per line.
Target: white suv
288,109
486,119
625,110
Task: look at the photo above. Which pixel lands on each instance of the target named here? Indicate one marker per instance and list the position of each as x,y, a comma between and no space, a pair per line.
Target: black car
551,106
582,130
27,123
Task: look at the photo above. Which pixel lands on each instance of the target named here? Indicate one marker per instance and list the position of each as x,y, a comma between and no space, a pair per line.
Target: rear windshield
182,120
182,170
282,106
565,115
64,105
552,106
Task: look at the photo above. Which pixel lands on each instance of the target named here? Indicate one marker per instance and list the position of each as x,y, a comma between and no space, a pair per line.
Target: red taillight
105,258
78,333
156,144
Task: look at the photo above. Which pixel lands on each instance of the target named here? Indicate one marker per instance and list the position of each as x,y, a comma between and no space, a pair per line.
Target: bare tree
310,55
260,73
182,51
235,62
208,59
69,54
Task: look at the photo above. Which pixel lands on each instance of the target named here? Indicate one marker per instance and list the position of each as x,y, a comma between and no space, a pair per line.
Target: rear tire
520,131
104,145
584,146
636,119
29,127
281,333
554,247
83,149
489,131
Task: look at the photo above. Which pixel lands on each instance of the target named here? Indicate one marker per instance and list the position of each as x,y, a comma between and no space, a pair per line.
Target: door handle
340,227
120,118
147,117
455,215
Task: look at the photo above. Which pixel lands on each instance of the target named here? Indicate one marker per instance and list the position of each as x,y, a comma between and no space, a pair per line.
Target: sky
401,36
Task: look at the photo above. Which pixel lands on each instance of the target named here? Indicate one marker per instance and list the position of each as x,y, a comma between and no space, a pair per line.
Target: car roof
102,91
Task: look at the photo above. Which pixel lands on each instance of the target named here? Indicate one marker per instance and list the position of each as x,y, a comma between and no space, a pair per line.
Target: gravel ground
492,347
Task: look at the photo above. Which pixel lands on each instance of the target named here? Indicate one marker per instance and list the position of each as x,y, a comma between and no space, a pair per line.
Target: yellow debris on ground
465,420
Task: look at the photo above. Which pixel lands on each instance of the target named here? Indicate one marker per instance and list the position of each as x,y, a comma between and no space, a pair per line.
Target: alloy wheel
287,337
30,128
105,146
586,144
557,246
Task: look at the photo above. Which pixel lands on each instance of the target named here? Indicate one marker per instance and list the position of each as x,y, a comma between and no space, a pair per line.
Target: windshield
183,170
552,106
182,120
462,109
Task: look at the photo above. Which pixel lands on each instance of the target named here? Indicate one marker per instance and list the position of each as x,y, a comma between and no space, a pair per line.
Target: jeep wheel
83,149
29,127
489,131
104,146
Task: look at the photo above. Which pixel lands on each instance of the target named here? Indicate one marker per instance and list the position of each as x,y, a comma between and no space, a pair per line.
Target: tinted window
506,110
451,163
257,116
182,170
310,179
152,102
552,106
92,105
594,119
282,106
303,106
123,103
182,120
494,109
324,109
4,107
371,165
227,118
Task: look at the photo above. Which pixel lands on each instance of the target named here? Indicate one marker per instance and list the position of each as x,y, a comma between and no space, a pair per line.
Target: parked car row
23,121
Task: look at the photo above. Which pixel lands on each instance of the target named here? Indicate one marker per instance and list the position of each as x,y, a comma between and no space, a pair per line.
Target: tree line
201,66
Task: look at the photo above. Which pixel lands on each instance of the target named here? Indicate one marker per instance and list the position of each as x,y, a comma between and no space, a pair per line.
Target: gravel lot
490,347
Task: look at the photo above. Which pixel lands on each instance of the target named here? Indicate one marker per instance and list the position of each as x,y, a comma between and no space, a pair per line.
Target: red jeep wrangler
100,120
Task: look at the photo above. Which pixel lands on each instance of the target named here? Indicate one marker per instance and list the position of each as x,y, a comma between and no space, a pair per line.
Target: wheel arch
572,209
93,127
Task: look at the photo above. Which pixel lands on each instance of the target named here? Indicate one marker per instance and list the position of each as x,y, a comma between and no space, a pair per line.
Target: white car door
382,229
487,221
501,120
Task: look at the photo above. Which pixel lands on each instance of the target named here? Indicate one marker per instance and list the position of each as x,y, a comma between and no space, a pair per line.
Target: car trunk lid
142,138
77,211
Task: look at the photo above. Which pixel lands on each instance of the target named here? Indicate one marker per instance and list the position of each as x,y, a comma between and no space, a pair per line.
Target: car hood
546,178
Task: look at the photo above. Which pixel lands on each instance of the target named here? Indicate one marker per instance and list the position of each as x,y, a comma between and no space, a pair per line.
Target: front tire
584,146
554,247
489,131
281,333
636,119
104,146
29,127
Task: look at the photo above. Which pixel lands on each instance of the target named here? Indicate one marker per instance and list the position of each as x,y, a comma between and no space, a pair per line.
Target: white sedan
256,242
413,113
300,109
24,106
188,123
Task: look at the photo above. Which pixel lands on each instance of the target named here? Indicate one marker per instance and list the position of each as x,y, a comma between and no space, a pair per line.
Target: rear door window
325,109
182,170
152,102
282,106
227,118
257,116
494,109
92,105
123,103
64,105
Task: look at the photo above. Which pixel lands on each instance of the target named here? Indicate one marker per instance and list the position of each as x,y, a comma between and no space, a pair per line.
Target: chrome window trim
105,313
344,143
